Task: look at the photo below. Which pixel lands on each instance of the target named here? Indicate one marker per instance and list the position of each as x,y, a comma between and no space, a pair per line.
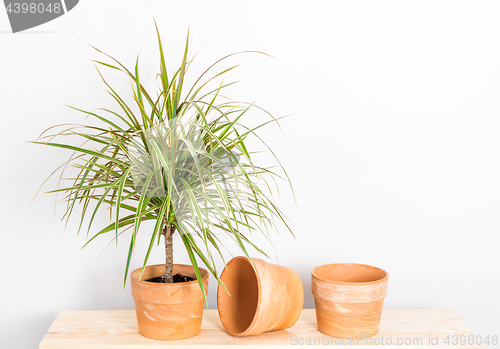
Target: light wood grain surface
118,329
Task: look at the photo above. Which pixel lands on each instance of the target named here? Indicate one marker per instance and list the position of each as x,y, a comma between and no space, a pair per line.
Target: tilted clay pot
349,299
168,311
264,297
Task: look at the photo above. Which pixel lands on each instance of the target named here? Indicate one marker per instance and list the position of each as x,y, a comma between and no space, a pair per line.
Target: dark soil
177,278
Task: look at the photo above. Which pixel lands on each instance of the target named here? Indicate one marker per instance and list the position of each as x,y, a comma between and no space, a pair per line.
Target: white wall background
393,146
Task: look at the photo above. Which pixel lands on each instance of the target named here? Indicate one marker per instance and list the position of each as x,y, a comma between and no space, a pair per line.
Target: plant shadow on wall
179,158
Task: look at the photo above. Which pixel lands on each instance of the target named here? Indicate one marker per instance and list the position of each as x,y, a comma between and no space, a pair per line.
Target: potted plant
180,158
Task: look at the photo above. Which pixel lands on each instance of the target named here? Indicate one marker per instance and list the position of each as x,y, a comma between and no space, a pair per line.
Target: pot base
154,321
348,320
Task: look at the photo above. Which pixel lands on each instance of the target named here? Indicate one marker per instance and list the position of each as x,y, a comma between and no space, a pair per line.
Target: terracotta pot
264,297
168,311
349,299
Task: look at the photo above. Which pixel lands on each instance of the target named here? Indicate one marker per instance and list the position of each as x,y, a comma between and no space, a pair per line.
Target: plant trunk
168,233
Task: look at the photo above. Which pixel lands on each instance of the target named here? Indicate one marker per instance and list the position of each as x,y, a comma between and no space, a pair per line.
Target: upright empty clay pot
168,311
264,297
349,299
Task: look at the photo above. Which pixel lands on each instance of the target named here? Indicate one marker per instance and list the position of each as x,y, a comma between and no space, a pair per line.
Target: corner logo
26,14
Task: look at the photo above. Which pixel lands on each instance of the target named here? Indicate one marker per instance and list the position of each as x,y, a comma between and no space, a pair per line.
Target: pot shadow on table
26,331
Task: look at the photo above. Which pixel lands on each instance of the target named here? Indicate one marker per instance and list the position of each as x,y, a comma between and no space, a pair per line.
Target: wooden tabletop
115,329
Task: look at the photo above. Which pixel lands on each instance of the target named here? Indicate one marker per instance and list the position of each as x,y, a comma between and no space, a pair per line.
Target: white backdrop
393,144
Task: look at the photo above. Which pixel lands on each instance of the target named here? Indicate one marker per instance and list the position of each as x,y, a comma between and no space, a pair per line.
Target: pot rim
259,293
136,279
350,283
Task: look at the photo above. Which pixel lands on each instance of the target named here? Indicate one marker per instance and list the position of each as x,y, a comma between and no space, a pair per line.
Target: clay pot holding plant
168,311
262,297
349,299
